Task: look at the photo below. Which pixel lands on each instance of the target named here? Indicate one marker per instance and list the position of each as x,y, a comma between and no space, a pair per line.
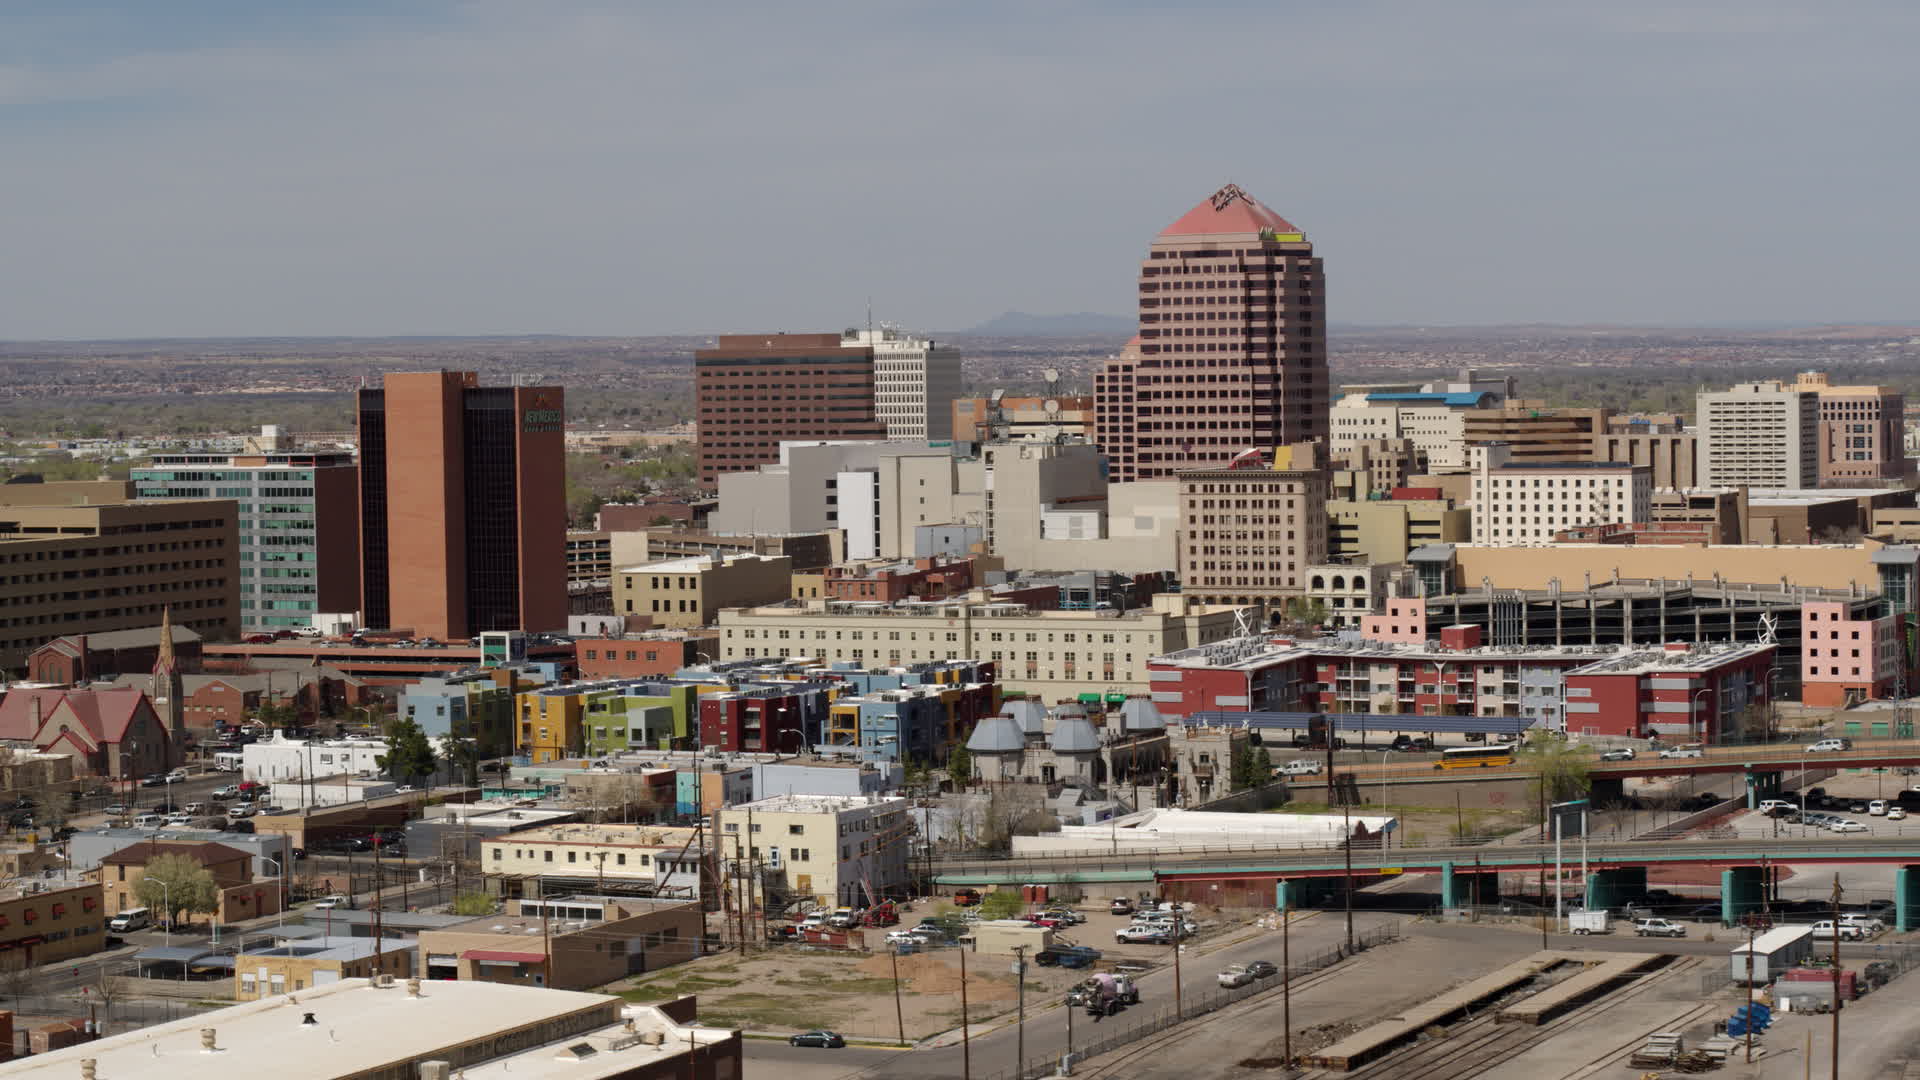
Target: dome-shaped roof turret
997,735
1074,734
1030,715
1141,715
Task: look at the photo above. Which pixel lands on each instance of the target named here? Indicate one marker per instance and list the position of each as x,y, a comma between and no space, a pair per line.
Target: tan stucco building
566,942
684,593
52,925
663,860
1049,653
832,849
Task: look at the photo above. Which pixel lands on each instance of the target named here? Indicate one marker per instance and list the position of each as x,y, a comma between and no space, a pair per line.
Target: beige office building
1385,530
1760,434
1052,654
113,565
838,850
658,860
1251,533
685,593
1527,502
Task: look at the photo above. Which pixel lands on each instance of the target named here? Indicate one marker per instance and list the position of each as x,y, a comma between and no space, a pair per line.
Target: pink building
1232,348
1404,621
1844,661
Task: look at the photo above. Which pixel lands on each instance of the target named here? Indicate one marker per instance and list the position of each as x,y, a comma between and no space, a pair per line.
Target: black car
827,1039
152,781
1261,969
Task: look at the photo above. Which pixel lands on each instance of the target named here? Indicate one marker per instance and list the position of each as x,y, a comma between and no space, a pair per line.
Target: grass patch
673,987
769,1011
862,985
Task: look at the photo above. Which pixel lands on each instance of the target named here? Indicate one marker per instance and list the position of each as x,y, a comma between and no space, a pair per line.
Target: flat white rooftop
357,1028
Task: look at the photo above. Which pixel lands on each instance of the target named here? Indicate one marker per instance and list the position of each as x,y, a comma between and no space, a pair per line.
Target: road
993,1051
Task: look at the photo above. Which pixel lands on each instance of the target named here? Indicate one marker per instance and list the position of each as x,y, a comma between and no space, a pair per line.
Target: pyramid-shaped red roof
1228,210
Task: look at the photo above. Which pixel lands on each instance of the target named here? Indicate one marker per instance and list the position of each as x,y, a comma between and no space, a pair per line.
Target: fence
1115,1032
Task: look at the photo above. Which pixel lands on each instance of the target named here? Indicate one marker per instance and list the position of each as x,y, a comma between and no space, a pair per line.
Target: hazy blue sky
185,169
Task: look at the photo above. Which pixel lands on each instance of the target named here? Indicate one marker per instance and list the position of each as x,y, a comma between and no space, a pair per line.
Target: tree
277,714
1559,768
175,883
475,904
1001,904
409,755
464,755
960,765
625,797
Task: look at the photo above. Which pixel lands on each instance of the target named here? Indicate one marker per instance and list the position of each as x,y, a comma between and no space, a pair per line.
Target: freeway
1330,861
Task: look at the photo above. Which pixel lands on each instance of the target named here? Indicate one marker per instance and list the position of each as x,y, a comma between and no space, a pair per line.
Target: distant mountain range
1026,324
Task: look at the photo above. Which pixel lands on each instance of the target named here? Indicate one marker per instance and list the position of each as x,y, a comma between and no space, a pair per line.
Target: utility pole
1286,981
900,1017
1750,929
1543,864
1835,1057
1346,815
1179,1008
379,966
966,1044
1020,1024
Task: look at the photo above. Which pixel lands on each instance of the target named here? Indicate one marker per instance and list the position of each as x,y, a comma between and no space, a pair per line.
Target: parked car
1867,923
908,937
1826,929
227,792
328,903
1235,975
1857,806
1682,752
1895,813
824,1039
1263,969
1845,825
1829,746
1771,807
1143,934
1624,753
1877,808
1659,928
1121,906
1067,916
117,809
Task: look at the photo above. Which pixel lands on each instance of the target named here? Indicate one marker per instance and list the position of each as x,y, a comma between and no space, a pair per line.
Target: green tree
409,755
475,904
960,765
1001,904
464,755
278,714
1560,770
175,883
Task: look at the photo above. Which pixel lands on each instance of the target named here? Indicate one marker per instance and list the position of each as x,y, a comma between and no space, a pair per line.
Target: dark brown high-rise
755,390
1232,349
463,512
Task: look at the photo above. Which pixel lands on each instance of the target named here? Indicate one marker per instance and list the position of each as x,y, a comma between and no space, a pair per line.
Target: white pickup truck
1235,975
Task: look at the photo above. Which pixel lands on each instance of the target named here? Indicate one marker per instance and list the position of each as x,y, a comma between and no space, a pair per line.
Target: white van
147,821
131,919
1300,767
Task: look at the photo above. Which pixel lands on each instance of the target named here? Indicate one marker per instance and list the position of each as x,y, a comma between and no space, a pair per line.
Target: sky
202,169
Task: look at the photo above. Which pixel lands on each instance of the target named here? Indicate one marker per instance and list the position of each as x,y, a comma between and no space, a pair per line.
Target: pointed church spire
163,662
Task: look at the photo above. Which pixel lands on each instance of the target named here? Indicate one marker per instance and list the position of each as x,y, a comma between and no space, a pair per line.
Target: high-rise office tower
915,381
754,391
463,511
1760,434
1232,349
1861,433
299,523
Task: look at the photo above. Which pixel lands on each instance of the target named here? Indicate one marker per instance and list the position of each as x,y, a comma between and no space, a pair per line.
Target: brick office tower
1232,349
755,390
463,511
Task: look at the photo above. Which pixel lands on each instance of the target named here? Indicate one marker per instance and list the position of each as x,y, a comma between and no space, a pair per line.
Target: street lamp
280,902
166,927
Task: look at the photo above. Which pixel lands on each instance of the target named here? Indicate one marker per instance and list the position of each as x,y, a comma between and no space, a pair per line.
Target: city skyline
300,173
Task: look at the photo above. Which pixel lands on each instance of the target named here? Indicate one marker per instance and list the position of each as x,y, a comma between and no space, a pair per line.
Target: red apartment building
756,390
1232,347
755,721
463,513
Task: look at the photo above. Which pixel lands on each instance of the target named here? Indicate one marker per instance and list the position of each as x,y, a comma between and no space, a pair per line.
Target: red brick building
763,721
899,580
756,390
462,505
651,655
113,733
1232,347
79,658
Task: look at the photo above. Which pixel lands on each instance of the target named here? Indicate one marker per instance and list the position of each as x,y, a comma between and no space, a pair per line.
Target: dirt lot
793,988
788,988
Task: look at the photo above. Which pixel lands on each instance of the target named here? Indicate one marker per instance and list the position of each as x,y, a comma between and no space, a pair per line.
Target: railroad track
1155,1043
1478,1044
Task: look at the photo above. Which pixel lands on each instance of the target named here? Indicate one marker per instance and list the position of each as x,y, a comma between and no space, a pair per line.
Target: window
549,856
496,853
796,830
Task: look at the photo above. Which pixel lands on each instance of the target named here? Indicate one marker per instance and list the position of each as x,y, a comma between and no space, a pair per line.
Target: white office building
1760,434
1518,503
915,381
